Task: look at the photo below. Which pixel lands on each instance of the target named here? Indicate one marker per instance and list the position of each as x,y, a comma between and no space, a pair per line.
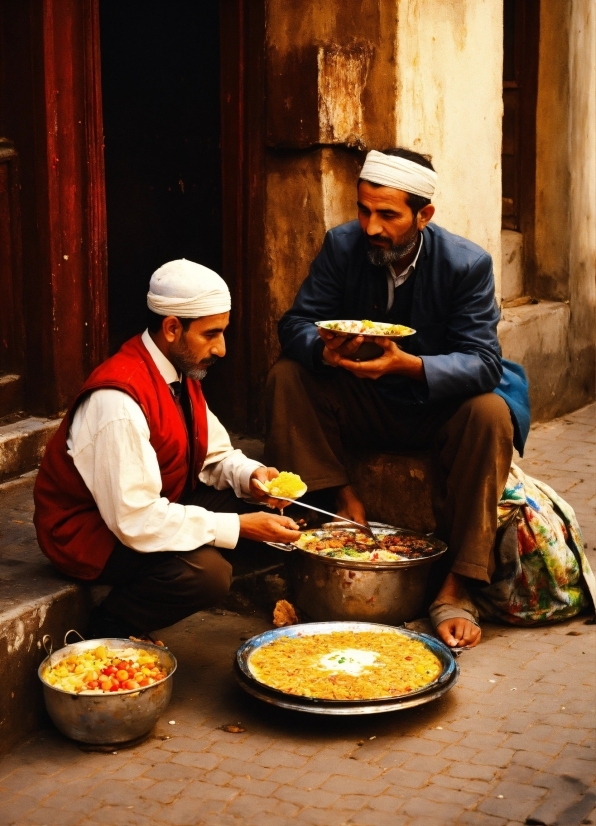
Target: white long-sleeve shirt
109,444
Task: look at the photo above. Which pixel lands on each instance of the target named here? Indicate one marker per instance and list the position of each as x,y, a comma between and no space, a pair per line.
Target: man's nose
374,226
219,347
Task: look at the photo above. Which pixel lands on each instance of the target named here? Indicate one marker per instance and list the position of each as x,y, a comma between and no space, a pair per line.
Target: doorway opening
521,35
160,66
521,32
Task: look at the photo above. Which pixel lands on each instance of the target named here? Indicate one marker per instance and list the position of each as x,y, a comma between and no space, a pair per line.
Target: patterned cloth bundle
542,572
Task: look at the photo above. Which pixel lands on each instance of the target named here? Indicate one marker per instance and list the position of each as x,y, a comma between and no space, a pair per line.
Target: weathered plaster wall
329,73
449,103
536,336
307,194
582,213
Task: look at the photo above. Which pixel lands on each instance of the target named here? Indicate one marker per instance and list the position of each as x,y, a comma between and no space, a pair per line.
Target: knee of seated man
207,572
490,412
285,371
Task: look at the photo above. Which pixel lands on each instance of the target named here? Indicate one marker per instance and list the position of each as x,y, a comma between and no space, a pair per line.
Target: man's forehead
381,195
211,323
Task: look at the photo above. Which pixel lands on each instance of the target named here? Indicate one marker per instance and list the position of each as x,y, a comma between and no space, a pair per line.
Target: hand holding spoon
366,528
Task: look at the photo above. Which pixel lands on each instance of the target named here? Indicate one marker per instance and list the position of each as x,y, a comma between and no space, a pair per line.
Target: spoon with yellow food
289,486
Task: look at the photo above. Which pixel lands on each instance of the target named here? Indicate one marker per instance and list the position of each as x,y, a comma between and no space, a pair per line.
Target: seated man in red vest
140,485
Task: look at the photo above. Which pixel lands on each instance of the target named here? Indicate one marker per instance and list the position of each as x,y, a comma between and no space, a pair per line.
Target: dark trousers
154,590
312,419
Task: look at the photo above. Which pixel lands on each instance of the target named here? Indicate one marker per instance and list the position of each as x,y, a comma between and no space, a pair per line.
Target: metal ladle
366,528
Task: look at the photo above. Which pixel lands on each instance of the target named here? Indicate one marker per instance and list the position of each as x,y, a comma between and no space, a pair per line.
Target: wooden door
12,349
50,107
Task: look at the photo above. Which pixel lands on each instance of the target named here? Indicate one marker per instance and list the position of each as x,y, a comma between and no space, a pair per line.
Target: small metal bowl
106,718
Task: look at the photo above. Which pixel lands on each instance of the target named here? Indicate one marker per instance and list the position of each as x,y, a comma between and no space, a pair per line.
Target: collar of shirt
399,279
394,281
166,368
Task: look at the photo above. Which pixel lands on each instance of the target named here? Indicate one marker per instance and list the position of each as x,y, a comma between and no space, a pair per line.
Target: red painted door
50,107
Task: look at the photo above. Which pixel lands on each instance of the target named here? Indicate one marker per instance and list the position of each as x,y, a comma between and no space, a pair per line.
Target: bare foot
457,632
349,505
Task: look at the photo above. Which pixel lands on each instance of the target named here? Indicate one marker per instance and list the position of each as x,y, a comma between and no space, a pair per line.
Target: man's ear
171,327
424,216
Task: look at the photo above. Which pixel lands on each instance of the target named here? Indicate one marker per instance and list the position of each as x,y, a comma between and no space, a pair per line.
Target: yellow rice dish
286,485
346,665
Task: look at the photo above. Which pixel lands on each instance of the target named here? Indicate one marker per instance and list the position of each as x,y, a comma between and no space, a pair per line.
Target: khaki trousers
313,419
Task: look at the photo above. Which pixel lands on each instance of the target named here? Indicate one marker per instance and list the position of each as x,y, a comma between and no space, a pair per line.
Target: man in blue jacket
446,387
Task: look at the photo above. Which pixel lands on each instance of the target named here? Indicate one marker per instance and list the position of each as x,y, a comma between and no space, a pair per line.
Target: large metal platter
250,683
377,527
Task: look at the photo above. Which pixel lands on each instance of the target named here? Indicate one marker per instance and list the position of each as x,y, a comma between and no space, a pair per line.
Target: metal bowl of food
114,717
389,592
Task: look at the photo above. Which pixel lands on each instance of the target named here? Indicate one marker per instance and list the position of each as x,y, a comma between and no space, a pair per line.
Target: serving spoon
366,528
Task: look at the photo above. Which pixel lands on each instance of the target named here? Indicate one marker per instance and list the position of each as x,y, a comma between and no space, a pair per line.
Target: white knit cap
399,173
187,290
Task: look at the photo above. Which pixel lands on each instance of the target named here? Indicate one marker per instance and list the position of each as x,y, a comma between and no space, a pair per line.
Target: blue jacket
454,313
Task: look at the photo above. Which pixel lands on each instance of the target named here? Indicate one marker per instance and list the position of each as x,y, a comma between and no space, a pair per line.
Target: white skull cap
187,290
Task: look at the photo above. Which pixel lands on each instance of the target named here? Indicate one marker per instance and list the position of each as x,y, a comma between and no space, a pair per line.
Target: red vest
70,530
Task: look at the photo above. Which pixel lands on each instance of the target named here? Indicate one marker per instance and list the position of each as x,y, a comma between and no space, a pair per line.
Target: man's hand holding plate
338,347
263,475
393,360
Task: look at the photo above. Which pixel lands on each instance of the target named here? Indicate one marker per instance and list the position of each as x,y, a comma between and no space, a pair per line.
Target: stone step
11,394
22,444
34,600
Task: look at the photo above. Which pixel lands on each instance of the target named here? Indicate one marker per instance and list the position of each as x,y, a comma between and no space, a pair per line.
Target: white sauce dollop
350,660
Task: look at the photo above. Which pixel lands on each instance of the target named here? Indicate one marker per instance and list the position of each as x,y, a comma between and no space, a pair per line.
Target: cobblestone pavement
512,743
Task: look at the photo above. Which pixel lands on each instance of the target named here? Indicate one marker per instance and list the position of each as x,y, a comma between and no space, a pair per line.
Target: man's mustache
382,238
209,362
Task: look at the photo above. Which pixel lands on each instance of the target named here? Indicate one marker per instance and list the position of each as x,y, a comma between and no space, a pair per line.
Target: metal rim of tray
354,564
247,678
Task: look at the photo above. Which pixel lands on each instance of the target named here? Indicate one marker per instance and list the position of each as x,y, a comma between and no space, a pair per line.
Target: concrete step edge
22,629
23,443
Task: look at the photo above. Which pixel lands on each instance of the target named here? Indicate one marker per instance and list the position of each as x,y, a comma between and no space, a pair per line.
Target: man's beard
185,363
380,257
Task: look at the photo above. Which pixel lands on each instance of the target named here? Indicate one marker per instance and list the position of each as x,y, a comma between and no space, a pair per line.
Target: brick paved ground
511,744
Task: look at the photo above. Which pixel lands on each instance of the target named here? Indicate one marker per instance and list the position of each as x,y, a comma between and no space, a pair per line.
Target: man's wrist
411,367
324,354
416,370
